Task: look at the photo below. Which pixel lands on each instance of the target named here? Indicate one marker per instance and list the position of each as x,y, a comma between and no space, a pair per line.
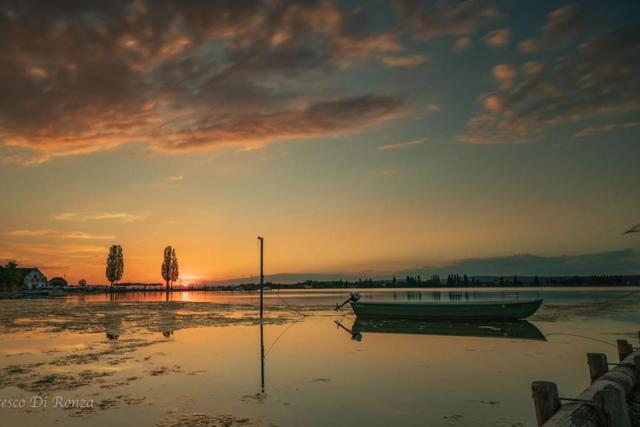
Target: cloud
56,234
600,79
462,43
498,38
101,216
432,108
77,78
562,26
504,75
431,20
176,178
401,145
317,119
404,61
493,103
593,130
39,253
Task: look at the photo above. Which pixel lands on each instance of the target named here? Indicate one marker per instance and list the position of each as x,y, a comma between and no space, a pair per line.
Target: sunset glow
355,139
341,213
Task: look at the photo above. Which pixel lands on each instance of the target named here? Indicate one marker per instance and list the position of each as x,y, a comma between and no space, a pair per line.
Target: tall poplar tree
115,265
175,272
166,265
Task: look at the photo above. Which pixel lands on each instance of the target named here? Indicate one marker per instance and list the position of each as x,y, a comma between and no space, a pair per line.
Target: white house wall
35,280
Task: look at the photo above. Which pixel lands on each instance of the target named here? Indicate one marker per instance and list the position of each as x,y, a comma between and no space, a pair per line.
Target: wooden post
636,363
598,365
611,406
629,349
545,400
624,349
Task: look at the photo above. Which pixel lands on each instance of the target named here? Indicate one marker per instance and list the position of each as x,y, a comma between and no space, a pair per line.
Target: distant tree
536,281
82,283
170,271
115,265
166,265
465,280
175,271
11,282
501,281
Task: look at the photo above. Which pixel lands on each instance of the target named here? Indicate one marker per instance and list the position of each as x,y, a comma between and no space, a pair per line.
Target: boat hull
495,310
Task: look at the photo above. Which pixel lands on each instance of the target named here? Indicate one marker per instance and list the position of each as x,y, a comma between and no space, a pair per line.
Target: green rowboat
478,310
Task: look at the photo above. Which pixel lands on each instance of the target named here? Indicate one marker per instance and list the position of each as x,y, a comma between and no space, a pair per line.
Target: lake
194,358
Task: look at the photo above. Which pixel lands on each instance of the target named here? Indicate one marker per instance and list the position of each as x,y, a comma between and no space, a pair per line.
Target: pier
612,399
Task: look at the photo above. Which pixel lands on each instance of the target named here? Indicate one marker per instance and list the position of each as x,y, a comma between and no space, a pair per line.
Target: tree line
115,266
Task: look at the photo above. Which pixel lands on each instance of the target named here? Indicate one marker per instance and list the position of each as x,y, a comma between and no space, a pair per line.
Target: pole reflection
261,356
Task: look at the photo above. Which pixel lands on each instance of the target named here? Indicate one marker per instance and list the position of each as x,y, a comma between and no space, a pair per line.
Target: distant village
18,281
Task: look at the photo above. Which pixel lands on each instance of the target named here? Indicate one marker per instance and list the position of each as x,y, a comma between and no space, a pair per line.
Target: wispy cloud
589,131
446,18
162,89
101,216
498,38
175,178
401,145
56,234
405,60
504,75
562,26
462,43
596,80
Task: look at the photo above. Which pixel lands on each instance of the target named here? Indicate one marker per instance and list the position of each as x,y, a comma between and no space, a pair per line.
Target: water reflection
261,356
356,336
114,324
209,366
520,329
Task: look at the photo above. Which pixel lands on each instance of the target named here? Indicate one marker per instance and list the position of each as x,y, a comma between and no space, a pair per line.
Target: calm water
195,359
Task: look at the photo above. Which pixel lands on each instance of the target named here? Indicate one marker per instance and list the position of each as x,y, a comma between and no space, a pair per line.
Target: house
58,282
14,279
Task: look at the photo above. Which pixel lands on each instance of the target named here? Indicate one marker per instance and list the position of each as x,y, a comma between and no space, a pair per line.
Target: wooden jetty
612,399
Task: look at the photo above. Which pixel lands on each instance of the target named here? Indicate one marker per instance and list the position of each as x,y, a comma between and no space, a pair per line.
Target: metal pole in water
261,274
261,313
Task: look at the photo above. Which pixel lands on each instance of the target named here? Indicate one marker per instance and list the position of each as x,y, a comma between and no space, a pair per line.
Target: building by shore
16,279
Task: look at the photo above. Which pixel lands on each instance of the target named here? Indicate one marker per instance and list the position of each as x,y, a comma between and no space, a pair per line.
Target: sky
354,136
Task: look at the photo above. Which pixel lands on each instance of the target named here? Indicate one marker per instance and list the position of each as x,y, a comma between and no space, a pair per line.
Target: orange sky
354,138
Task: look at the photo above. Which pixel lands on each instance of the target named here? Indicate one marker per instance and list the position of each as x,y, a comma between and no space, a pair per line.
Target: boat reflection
520,329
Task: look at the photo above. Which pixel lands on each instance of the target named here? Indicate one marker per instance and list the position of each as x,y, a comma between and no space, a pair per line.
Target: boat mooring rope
277,339
580,336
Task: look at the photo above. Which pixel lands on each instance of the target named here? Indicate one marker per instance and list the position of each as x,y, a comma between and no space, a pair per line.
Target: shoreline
98,290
